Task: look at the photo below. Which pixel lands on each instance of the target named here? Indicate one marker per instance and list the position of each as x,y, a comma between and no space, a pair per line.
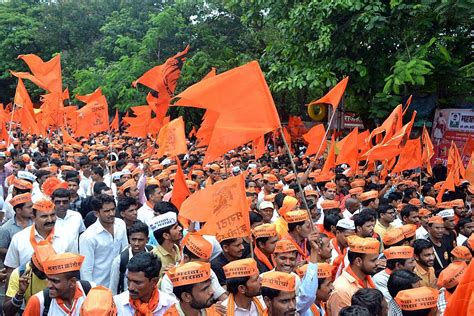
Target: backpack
123,268
86,286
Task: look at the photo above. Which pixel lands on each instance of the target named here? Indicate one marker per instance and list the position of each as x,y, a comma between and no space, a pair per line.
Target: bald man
352,205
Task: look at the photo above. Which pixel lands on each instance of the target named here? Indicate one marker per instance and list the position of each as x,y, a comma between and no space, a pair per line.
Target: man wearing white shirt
67,221
153,195
102,241
465,227
21,247
85,173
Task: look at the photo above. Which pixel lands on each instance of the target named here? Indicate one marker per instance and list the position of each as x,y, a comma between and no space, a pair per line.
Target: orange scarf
231,305
264,259
33,241
77,294
304,254
368,279
388,271
315,310
146,309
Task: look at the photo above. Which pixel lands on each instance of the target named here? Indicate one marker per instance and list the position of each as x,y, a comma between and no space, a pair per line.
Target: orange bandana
146,309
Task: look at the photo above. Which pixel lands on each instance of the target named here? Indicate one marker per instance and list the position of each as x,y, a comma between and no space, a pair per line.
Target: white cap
166,162
236,169
25,175
266,204
252,166
125,171
346,224
116,175
449,212
162,221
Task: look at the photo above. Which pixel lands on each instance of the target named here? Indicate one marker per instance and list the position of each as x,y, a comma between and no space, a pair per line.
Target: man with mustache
143,296
65,293
43,228
279,293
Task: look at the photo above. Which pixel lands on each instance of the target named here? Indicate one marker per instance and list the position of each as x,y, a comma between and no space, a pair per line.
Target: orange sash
368,279
231,305
304,254
264,259
146,309
33,241
315,310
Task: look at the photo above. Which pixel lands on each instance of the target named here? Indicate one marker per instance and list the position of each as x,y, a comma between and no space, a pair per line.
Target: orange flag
23,110
88,98
469,175
348,150
3,127
172,139
315,138
363,142
180,189
192,133
330,162
46,75
234,95
287,138
468,146
223,206
204,133
259,146
94,117
163,78
390,126
115,122
22,97
52,109
68,139
428,151
70,117
139,126
334,96
410,156
456,171
462,300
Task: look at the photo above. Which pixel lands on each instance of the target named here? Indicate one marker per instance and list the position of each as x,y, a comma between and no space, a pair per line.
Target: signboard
452,125
351,120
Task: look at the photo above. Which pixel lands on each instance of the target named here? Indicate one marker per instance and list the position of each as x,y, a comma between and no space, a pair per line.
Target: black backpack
123,268
86,286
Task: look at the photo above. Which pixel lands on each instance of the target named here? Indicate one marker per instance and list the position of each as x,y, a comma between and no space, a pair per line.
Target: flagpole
296,174
10,125
325,135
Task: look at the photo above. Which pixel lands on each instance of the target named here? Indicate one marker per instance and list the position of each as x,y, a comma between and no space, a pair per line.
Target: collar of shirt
164,252
99,228
39,237
30,222
421,270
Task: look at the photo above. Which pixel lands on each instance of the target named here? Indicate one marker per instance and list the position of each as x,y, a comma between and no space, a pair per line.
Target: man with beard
329,193
460,210
363,256
232,249
265,237
65,293
102,241
279,293
168,234
449,236
27,280
243,284
44,218
341,187
344,229
464,227
424,256
364,223
192,286
442,248
299,228
143,296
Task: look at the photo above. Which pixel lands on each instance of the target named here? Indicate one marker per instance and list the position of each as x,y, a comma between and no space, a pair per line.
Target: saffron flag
68,139
23,110
461,301
204,133
410,156
287,137
46,75
138,126
469,176
94,117
348,150
316,139
334,96
192,133
392,124
259,146
88,98
244,105
456,171
428,151
172,139
115,122
330,163
52,109
223,206
180,189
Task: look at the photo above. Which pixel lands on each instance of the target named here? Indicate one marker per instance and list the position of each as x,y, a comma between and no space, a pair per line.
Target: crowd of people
89,229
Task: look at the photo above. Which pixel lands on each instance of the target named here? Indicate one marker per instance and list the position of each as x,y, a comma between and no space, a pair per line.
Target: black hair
355,310
400,280
145,262
407,193
255,218
72,179
463,221
21,163
279,199
190,254
73,274
99,187
426,188
164,207
124,203
233,283
407,209
394,196
421,244
269,292
367,202
41,159
150,189
158,234
384,208
19,206
120,164
97,202
61,193
391,263
351,256
138,227
227,242
98,170
179,290
363,217
41,173
84,160
370,299
331,220
292,226
262,240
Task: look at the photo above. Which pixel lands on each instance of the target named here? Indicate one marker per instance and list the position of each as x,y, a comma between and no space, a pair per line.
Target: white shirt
7,209
421,233
346,214
125,309
84,185
460,239
100,248
36,193
381,279
145,213
239,311
167,287
20,249
72,225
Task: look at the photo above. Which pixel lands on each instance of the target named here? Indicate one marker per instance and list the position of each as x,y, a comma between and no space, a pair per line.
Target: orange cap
444,205
63,262
289,192
162,176
363,245
409,230
43,205
436,220
22,184
358,183
423,212
270,177
399,252
290,177
415,202
457,203
418,298
330,185
289,203
462,252
240,268
311,193
279,281
470,241
198,245
450,276
369,195
296,216
428,200
393,236
52,184
189,273
356,191
269,197
42,252
127,185
284,245
99,302
191,184
329,204
20,199
264,230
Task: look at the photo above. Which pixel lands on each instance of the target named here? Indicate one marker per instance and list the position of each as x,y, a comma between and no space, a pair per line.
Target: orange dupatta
146,309
33,241
260,256
368,279
231,305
